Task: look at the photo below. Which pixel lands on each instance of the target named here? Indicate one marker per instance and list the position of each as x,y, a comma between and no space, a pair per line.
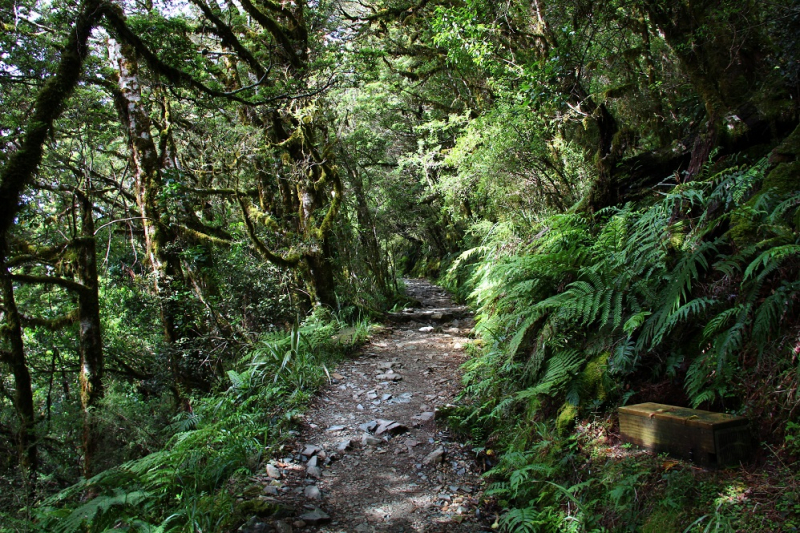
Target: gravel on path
371,455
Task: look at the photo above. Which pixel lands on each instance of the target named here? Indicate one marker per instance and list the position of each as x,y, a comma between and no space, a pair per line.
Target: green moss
784,178
593,390
592,379
677,239
257,507
790,145
662,521
743,230
566,418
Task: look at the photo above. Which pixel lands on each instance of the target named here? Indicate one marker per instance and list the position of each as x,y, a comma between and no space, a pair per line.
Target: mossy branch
199,235
333,209
23,163
118,26
274,29
50,280
229,39
289,261
53,324
32,254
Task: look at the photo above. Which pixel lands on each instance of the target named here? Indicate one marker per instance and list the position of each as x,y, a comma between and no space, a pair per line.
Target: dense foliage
584,315
196,196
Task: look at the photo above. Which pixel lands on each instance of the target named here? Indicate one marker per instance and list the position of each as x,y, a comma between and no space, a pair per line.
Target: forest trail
370,455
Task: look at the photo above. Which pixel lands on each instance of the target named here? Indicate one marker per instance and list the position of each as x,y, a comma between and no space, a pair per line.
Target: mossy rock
253,491
257,507
346,336
566,418
789,149
262,508
592,378
743,231
592,386
784,179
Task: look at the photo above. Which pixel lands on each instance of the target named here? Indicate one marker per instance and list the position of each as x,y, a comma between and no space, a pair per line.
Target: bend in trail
370,455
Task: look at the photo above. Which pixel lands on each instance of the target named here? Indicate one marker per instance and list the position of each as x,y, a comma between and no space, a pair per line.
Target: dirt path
370,456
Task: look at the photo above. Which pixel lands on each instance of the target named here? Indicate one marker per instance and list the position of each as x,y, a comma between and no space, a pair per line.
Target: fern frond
679,287
769,313
716,324
772,258
691,309
624,358
695,383
635,321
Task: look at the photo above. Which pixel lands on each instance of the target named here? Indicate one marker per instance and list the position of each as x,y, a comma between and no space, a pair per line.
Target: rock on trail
370,456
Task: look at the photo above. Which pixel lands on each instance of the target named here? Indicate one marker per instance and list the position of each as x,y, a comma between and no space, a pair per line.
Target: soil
371,454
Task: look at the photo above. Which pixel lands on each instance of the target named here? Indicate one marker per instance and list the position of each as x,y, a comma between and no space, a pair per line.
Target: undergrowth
192,484
689,300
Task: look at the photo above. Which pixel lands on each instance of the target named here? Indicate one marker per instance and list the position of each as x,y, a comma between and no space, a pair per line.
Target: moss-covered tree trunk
719,46
309,184
367,233
23,162
14,357
315,178
159,236
90,335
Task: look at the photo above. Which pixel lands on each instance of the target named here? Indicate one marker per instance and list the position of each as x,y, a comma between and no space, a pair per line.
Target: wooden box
702,437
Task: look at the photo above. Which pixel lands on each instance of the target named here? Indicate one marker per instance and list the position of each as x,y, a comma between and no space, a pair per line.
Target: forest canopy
187,188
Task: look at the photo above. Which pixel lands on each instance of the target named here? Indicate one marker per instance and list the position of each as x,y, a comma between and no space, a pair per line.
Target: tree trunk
159,238
367,234
90,336
15,358
321,279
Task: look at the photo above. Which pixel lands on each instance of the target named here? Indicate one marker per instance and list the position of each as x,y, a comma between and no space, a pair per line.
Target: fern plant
629,282
187,486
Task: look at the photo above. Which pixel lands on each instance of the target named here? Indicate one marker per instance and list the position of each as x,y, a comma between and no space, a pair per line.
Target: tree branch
229,39
274,29
24,162
50,280
286,262
52,324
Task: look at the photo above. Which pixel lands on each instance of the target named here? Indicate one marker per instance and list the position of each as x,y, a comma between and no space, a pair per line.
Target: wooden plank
687,433
684,415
